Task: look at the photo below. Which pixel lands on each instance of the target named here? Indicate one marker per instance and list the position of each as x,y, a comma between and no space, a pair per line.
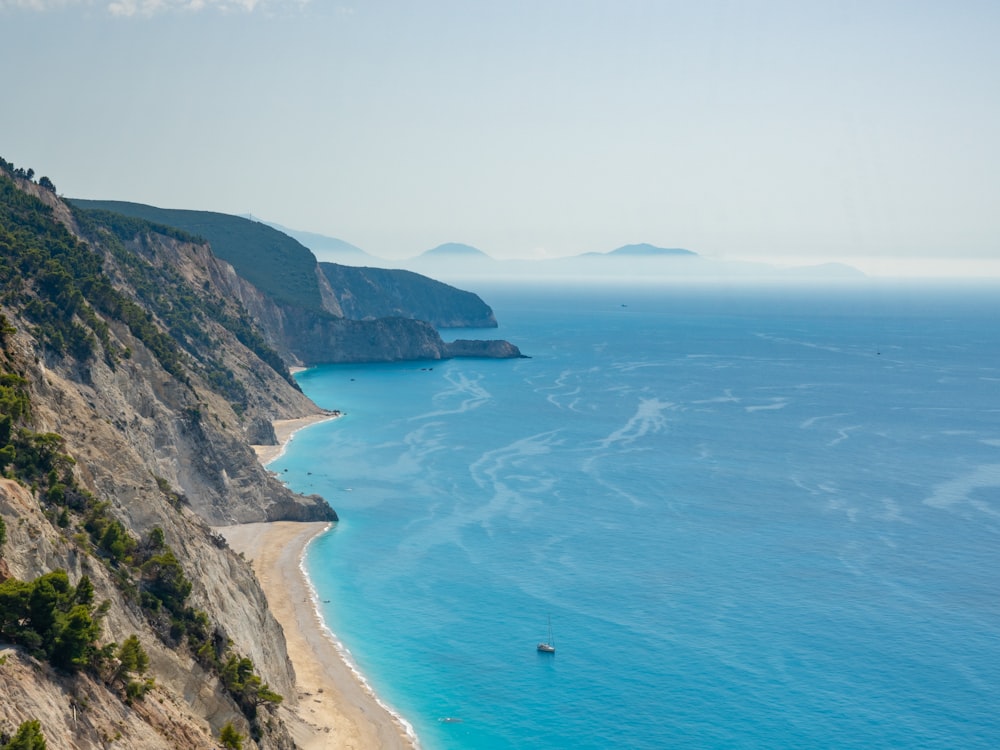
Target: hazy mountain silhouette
456,261
327,248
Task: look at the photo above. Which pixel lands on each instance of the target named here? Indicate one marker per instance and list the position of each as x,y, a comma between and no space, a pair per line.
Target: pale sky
793,132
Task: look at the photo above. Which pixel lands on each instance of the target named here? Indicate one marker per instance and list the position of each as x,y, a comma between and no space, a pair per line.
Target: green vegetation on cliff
56,621
26,174
53,620
273,262
183,309
28,737
44,271
120,345
36,459
384,293
61,285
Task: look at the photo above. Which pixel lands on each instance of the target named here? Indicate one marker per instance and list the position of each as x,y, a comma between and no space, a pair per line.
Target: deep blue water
756,520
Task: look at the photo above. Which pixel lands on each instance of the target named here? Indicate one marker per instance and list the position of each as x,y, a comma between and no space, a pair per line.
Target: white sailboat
548,646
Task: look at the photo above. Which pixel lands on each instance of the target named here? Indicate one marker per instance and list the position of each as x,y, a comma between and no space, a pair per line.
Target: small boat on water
548,646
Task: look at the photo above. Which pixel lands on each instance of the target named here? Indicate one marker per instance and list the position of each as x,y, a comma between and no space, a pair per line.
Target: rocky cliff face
305,337
155,438
135,369
382,340
188,706
371,293
493,349
314,313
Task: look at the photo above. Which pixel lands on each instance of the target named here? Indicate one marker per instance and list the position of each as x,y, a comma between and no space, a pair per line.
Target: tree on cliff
29,737
230,738
48,619
132,660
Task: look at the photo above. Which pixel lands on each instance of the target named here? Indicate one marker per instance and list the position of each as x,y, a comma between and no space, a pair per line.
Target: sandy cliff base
334,709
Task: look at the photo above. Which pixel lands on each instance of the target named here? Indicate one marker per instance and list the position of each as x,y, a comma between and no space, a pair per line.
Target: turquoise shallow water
754,520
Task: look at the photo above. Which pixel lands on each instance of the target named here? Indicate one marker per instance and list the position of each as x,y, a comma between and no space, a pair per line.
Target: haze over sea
757,519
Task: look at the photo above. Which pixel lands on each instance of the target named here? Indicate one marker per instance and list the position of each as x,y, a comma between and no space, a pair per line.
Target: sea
747,517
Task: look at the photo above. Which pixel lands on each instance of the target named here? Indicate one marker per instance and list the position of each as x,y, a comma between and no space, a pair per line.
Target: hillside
275,276
131,383
273,262
382,293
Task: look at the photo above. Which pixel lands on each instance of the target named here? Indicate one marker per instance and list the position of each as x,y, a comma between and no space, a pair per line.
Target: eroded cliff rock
187,706
494,349
150,439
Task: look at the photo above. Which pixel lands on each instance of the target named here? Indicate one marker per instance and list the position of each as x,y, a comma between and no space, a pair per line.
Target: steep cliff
129,382
270,260
366,293
315,313
136,367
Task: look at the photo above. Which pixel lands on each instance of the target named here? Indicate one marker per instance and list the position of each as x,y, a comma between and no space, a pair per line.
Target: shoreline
284,431
335,706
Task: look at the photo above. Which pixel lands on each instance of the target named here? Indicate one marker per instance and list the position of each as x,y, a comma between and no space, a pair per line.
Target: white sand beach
335,708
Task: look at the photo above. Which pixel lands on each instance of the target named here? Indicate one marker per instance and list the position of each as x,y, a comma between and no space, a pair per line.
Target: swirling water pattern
753,525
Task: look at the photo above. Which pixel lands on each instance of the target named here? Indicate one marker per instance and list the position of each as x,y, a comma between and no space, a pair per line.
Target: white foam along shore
284,431
337,708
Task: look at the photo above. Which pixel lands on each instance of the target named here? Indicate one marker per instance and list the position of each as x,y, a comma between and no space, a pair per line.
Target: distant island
457,262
